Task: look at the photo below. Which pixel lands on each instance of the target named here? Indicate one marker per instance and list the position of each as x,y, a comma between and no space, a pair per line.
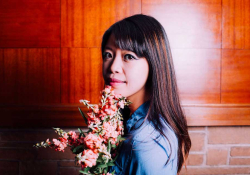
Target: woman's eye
107,55
129,57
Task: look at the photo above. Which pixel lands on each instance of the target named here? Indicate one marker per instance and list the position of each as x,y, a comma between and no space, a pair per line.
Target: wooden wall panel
97,81
31,76
1,74
84,22
198,75
29,23
236,24
41,116
205,37
81,74
189,24
235,84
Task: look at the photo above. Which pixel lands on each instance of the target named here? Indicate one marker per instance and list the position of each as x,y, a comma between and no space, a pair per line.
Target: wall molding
68,115
217,114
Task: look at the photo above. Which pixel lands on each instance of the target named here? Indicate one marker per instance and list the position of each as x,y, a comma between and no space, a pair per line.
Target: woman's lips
115,82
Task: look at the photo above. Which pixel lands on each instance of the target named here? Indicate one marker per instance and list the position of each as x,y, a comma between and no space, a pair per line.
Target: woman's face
124,71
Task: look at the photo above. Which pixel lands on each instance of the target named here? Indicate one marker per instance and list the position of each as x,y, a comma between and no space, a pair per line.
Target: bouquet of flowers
96,149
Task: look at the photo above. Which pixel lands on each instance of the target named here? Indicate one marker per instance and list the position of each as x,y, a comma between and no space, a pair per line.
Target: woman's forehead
124,42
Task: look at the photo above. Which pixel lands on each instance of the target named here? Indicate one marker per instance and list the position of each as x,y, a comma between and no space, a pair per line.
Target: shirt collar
140,113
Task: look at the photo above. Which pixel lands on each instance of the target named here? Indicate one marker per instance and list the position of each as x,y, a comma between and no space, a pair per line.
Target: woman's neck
137,100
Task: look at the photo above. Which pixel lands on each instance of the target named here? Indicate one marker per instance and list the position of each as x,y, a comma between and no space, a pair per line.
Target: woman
137,63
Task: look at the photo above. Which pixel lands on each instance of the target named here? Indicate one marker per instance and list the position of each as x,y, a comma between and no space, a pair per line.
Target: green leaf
118,138
105,171
86,171
114,146
102,166
110,164
113,173
122,139
83,116
109,146
81,133
99,159
96,170
83,172
78,149
79,129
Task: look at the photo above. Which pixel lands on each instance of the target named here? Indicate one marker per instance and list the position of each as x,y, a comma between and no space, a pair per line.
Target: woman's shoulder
151,150
147,130
148,137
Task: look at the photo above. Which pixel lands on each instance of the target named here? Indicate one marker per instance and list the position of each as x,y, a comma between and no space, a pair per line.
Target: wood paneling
1,75
81,74
236,24
54,80
29,23
84,22
189,24
235,84
41,116
198,75
30,76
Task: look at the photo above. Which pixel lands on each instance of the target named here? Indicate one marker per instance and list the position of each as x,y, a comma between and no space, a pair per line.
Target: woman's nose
116,64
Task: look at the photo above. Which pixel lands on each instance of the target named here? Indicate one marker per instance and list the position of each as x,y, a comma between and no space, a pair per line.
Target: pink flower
109,112
93,141
102,115
119,126
72,134
110,100
91,115
96,108
65,136
56,142
113,140
117,96
113,107
102,148
91,158
112,92
110,131
59,146
63,139
108,89
106,106
48,142
121,104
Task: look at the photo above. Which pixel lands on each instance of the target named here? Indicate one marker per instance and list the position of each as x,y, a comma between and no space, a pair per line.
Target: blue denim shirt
145,151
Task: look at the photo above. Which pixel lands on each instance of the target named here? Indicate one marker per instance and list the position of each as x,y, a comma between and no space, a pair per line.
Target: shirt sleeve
149,157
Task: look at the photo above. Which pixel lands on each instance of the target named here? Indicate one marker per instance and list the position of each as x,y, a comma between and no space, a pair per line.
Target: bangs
127,37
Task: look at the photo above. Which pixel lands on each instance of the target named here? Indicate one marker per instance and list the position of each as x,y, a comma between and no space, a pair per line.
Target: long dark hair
146,37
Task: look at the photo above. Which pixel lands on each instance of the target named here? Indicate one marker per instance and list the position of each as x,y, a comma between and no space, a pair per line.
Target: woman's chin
119,92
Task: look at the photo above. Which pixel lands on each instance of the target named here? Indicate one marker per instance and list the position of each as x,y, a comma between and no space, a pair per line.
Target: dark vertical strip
60,68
